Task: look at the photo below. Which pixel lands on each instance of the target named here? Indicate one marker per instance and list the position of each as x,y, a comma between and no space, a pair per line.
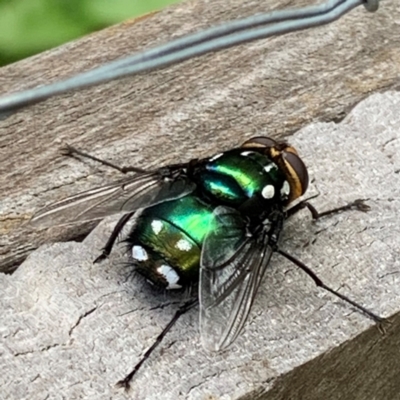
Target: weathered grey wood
270,87
70,328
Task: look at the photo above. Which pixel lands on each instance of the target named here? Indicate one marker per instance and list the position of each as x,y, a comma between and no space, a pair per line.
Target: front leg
358,204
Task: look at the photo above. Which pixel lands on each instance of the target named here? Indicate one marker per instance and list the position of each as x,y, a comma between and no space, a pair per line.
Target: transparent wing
233,264
140,190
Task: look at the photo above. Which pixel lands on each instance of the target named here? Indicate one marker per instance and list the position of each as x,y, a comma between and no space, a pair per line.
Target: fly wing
140,190
233,263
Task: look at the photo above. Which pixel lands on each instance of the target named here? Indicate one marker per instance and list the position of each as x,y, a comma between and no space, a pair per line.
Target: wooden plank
269,87
72,328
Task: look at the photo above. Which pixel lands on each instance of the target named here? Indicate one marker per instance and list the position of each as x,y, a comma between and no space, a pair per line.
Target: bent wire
193,45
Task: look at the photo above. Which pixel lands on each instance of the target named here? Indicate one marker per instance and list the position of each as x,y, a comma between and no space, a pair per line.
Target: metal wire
210,40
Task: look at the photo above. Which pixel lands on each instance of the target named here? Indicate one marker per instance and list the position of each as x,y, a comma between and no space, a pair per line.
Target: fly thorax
220,188
237,176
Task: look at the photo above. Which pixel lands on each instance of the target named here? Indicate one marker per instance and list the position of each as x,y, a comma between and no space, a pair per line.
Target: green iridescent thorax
172,233
239,174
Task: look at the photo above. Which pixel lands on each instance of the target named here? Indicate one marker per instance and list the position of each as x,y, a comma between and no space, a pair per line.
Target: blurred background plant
28,27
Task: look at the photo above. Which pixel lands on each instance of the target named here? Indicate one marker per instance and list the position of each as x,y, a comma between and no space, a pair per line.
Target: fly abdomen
167,239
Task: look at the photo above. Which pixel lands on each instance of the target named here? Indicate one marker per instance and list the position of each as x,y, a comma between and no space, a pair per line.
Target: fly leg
70,151
322,285
358,204
113,237
181,310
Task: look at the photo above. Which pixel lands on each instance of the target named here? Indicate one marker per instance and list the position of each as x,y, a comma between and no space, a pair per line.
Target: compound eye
298,175
260,141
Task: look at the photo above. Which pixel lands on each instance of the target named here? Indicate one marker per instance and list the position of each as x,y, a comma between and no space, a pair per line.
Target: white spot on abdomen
156,225
183,245
268,192
170,276
139,253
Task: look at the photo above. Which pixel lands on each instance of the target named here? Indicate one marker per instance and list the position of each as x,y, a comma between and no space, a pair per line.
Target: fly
214,222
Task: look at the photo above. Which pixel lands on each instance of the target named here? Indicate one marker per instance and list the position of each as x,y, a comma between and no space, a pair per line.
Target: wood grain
73,327
272,87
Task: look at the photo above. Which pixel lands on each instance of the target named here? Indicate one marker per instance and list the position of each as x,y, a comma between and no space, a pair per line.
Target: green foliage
28,27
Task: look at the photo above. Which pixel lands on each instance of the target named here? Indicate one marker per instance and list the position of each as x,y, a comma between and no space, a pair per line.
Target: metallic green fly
212,222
